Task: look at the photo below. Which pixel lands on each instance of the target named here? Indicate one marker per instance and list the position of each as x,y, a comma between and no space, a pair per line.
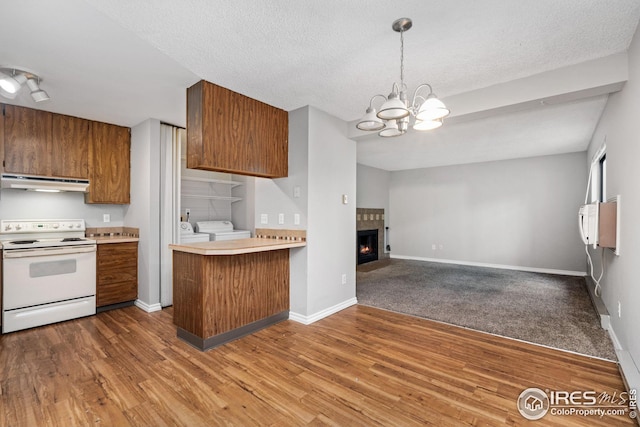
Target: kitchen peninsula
223,290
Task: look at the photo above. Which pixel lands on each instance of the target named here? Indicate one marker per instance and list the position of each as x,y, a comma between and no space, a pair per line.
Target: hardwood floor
359,367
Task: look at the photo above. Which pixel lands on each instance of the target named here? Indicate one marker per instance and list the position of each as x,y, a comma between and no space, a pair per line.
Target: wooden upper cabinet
41,143
35,142
232,133
109,164
70,142
27,140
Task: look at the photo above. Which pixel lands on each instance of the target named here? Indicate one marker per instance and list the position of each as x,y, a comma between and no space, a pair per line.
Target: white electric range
49,272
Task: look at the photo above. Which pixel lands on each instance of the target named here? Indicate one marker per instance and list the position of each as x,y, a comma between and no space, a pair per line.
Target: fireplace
367,246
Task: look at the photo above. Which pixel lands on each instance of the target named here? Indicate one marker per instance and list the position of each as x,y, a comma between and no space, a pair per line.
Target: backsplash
112,231
281,234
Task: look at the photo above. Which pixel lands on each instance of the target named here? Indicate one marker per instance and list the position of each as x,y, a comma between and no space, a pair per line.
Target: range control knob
56,226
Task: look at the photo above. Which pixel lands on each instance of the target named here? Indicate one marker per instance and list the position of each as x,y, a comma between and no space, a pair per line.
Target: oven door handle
65,250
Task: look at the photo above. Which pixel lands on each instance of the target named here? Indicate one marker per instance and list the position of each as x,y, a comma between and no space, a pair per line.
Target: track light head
12,79
37,94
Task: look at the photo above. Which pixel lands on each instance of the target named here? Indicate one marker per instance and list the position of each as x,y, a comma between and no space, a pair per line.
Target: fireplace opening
367,246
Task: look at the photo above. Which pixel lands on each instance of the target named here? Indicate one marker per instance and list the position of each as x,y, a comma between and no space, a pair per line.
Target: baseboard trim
501,266
149,308
204,344
307,320
629,370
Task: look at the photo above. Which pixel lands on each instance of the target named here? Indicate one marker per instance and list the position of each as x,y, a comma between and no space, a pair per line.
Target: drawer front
117,275
117,255
113,293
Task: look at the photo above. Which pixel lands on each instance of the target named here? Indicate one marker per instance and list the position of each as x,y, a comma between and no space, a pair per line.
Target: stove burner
23,242
72,239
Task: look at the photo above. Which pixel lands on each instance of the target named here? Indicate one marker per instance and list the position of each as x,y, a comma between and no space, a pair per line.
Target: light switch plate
345,199
281,218
106,218
264,219
296,219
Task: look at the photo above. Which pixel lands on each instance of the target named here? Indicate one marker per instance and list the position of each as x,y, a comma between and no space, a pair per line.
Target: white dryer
221,230
187,235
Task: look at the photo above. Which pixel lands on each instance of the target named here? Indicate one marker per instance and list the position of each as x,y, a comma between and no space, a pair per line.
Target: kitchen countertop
239,246
114,239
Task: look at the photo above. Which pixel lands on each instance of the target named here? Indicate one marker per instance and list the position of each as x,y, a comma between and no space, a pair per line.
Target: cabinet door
109,164
229,132
27,140
70,142
117,273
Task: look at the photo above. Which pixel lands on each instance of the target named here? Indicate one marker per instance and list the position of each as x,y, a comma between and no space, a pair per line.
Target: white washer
221,230
188,236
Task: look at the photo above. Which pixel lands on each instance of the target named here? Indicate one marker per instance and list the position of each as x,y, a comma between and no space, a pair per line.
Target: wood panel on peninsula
227,289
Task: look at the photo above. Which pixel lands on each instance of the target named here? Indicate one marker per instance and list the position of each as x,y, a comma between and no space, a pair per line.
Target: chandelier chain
401,60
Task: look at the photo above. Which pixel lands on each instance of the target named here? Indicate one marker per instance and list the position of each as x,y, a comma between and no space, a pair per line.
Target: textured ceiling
336,54
125,61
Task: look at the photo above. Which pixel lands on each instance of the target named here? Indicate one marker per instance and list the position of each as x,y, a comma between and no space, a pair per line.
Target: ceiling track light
395,112
37,94
12,80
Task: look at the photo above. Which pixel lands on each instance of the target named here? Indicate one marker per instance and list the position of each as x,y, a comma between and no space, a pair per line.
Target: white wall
144,210
620,127
331,230
373,188
21,204
322,163
517,213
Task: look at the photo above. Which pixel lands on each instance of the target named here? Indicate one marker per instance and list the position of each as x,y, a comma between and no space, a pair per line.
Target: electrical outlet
187,211
106,218
264,219
281,218
296,191
296,219
344,279
345,199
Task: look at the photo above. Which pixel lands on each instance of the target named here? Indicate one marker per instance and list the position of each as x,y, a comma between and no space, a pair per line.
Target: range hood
43,183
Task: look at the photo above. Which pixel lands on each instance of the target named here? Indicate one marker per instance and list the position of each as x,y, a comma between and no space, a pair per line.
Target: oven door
40,276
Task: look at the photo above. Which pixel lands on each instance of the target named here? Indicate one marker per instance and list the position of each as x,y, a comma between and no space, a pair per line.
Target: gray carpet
546,309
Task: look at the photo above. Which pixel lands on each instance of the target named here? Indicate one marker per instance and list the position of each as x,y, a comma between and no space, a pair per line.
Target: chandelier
394,115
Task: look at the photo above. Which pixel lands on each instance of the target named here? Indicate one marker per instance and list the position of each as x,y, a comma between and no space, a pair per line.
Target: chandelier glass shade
395,112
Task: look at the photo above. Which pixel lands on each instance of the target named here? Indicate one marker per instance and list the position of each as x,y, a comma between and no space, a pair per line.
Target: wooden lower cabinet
219,298
116,273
